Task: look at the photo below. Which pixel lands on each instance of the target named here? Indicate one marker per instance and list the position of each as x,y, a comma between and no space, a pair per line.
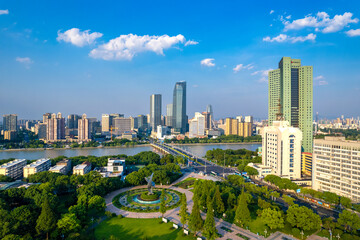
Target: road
209,167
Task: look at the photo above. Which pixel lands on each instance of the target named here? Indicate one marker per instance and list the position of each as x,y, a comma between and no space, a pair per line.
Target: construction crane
111,131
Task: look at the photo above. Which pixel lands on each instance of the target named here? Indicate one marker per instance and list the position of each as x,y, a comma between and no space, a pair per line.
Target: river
199,150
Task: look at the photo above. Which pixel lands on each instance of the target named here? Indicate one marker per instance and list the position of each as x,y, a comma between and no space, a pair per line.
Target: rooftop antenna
279,115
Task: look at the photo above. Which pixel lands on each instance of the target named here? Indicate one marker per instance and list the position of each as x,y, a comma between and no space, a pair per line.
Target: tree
303,217
68,223
96,205
162,203
272,218
195,221
350,221
46,221
346,202
183,211
251,171
210,231
218,202
242,214
288,200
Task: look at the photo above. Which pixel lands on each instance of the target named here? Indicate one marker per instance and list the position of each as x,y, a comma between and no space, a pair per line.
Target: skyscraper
72,121
155,111
197,126
107,121
169,115
209,109
83,129
10,122
291,85
179,107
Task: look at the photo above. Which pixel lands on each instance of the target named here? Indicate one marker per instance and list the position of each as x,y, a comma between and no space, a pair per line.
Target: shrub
150,197
295,231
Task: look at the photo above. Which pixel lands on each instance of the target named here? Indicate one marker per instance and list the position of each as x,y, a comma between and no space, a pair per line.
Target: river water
199,150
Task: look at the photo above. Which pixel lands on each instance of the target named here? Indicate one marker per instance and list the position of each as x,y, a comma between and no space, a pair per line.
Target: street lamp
265,231
338,236
302,234
330,234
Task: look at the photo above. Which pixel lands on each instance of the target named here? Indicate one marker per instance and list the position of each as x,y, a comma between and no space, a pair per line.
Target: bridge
199,163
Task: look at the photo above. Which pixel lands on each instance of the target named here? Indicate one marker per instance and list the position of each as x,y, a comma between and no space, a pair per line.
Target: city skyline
223,60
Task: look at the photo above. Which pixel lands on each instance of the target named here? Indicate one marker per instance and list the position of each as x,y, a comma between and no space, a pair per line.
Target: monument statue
150,184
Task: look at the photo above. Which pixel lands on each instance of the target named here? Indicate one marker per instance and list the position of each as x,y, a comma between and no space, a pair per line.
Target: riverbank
204,144
45,149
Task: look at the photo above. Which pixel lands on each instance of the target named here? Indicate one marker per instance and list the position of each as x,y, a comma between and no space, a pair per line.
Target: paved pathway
173,216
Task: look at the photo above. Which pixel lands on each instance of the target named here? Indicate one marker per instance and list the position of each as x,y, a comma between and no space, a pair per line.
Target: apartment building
82,169
336,167
13,169
40,165
62,167
306,163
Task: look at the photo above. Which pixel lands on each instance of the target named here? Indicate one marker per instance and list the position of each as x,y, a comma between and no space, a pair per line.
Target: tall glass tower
292,85
179,107
155,111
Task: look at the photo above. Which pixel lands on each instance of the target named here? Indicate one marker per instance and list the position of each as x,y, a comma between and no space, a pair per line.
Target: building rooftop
82,165
37,162
12,163
57,168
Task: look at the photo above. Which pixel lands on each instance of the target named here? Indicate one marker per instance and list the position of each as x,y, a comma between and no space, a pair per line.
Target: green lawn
132,228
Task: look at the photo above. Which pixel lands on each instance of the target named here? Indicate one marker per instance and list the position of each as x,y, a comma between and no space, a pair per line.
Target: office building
155,111
197,126
134,123
209,109
208,120
107,121
281,149
10,122
13,169
179,108
94,126
40,165
72,121
142,122
114,168
292,85
169,115
121,125
82,169
55,128
336,167
306,163
163,131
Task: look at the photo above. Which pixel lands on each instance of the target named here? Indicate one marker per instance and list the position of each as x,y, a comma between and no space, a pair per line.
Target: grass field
132,228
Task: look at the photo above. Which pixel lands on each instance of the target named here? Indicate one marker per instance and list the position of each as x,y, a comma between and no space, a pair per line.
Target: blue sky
108,57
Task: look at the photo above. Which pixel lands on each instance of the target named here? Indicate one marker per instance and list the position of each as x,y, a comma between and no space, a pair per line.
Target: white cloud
239,67
285,38
320,81
191,42
126,47
353,32
78,38
263,74
24,60
4,12
208,62
322,22
272,11
288,17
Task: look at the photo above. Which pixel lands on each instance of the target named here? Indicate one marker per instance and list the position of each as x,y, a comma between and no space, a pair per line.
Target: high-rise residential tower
155,111
291,85
55,128
179,107
72,121
83,129
10,122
